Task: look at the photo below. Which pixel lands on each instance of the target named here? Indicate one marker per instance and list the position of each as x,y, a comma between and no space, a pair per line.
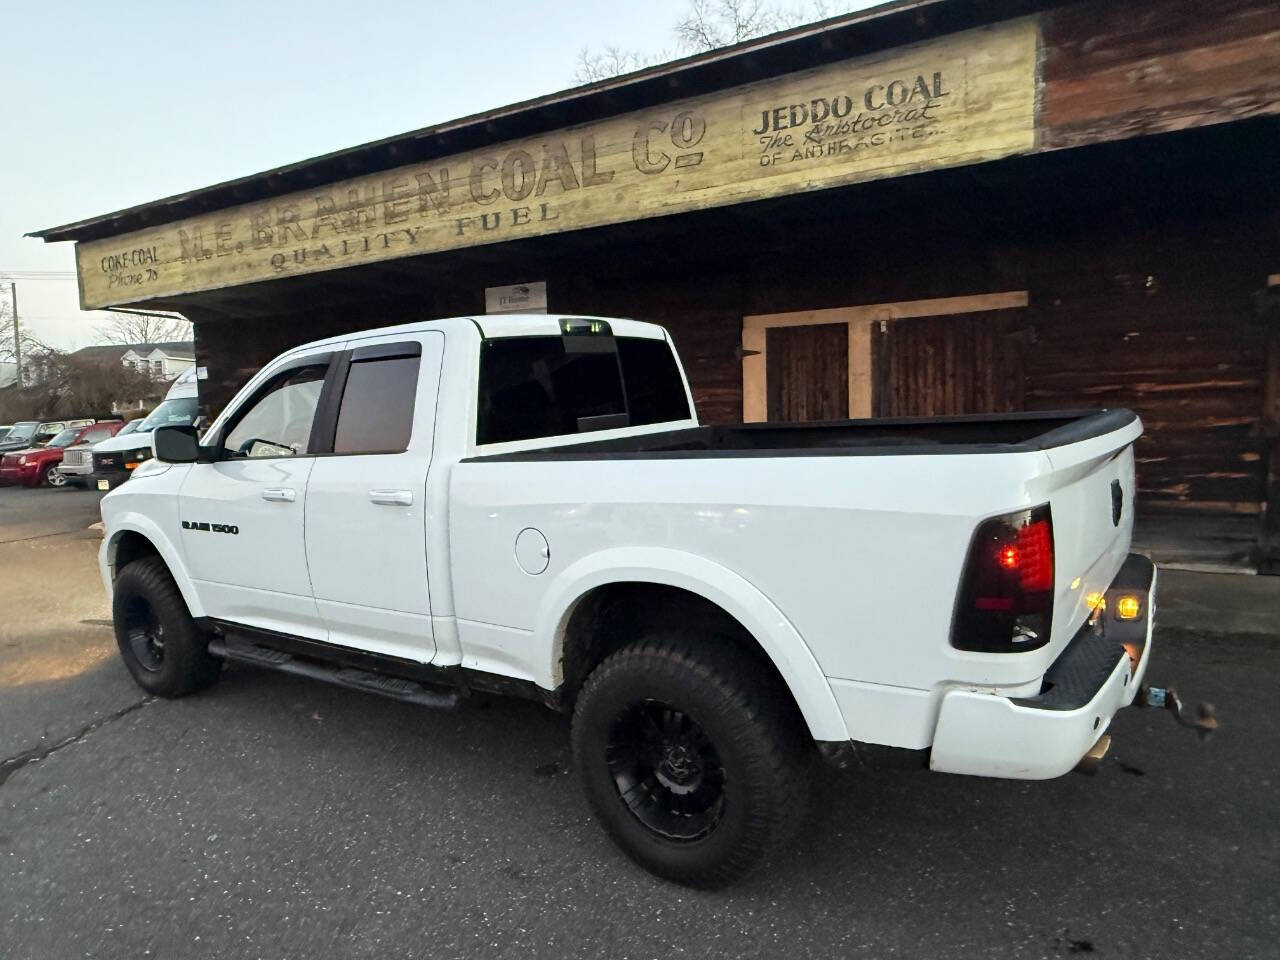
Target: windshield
65,438
129,427
22,431
172,413
4,432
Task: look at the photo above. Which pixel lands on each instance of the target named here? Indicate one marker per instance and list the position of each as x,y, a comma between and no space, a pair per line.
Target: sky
109,105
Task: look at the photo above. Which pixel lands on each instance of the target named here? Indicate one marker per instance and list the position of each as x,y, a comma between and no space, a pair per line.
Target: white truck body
841,561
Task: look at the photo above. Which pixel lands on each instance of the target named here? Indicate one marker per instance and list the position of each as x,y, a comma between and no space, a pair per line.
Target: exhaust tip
1090,762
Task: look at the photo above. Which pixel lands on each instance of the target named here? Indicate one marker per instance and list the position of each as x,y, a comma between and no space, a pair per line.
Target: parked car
528,505
114,459
34,433
38,466
77,461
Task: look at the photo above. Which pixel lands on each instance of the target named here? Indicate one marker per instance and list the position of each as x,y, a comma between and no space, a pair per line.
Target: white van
113,460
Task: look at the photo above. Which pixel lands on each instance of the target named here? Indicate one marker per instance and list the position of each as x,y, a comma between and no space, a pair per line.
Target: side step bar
397,688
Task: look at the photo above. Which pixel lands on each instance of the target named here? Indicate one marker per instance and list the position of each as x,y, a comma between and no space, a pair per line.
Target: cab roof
496,326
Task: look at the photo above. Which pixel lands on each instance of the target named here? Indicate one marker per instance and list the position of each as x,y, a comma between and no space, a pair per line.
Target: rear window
376,415
533,387
655,390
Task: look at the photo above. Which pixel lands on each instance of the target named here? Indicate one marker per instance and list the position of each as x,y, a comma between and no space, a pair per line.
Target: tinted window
655,392
547,387
376,415
277,423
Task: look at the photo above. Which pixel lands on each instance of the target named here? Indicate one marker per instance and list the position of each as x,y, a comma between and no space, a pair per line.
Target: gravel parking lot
272,817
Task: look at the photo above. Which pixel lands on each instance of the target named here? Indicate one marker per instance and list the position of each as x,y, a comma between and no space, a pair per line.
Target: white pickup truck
528,505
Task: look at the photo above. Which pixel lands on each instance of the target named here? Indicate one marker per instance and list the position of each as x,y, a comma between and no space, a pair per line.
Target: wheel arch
651,586
135,537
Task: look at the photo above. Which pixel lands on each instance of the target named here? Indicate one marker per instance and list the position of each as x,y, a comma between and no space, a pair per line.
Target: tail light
1005,603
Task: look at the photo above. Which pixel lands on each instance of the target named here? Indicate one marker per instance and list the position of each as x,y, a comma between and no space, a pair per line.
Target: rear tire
694,759
166,653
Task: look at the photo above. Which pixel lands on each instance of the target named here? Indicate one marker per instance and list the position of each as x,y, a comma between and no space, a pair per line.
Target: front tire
51,476
166,653
692,756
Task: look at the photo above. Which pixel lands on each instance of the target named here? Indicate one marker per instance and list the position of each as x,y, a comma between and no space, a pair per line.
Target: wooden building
931,207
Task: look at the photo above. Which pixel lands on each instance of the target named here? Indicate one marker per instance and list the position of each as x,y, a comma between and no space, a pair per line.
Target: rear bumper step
397,688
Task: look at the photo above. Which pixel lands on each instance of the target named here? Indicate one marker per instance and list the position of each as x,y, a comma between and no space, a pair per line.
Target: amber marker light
1095,601
1128,607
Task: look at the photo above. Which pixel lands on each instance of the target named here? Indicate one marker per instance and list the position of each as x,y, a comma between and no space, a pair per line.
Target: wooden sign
960,99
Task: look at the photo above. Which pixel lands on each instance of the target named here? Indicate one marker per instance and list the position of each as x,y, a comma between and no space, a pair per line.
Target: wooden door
807,372
946,365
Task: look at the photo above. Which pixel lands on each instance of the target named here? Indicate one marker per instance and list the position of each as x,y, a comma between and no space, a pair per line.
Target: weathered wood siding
808,372
948,365
1113,70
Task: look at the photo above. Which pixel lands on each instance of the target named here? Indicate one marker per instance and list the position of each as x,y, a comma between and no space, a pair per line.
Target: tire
51,476
167,654
693,758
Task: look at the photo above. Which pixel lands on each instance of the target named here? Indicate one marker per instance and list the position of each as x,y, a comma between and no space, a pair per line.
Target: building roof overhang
885,26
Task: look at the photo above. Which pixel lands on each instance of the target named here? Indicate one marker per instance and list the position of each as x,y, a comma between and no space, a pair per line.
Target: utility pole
17,336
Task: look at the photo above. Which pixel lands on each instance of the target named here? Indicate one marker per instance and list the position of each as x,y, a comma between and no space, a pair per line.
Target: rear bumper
1036,738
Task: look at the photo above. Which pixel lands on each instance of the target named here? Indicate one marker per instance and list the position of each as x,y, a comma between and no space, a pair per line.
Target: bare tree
61,384
719,23
611,62
32,346
709,25
143,327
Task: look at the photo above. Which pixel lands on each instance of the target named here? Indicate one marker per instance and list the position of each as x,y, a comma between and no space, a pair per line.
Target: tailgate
1090,488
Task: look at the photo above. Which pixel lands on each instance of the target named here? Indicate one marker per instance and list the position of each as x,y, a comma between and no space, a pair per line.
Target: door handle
393,498
279,494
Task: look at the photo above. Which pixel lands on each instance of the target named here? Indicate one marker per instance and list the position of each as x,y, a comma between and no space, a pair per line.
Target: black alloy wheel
692,754
166,652
145,633
667,771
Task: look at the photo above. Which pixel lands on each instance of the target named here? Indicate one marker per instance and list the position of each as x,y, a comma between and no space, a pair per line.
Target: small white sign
517,298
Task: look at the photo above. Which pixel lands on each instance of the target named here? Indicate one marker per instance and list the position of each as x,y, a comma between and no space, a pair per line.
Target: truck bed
988,433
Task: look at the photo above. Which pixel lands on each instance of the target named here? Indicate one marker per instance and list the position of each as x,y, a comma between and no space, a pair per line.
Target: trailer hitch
1205,721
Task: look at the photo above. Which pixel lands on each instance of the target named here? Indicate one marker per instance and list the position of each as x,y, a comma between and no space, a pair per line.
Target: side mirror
176,444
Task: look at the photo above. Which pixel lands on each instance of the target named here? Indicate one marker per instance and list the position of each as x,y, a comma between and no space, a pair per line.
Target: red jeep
38,466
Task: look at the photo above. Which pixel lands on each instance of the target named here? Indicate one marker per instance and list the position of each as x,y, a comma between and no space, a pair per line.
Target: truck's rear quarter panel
862,554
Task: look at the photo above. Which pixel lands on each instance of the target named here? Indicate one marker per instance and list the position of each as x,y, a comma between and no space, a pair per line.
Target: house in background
162,361
8,374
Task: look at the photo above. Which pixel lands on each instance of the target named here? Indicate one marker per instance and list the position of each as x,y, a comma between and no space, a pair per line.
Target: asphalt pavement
272,817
